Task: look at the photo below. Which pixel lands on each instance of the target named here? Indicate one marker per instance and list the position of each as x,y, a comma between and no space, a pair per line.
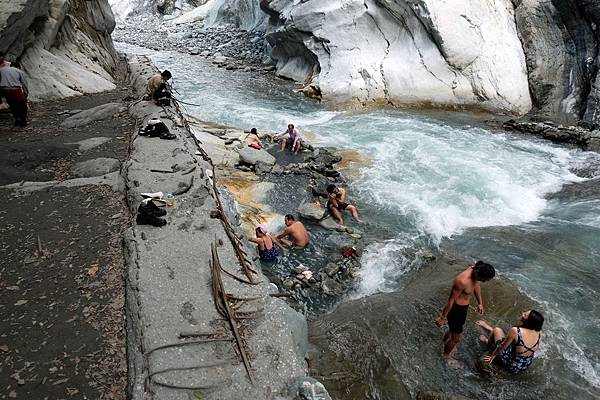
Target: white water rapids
434,178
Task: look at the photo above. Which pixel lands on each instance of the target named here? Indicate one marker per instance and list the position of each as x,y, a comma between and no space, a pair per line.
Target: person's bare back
295,231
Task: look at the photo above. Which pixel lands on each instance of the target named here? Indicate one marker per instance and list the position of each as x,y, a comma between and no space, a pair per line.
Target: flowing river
443,181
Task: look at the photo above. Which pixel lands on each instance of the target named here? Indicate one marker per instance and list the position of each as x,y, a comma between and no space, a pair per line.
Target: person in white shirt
14,88
294,139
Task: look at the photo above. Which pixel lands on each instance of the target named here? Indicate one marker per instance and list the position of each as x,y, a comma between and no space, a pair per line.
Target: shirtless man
464,286
336,203
295,231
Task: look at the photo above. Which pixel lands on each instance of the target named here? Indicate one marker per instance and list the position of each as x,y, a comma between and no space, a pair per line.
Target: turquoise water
439,182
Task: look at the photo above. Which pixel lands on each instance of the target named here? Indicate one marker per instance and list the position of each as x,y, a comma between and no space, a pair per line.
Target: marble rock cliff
64,45
522,56
421,52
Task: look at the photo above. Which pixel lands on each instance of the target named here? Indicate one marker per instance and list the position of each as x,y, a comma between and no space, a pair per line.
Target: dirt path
62,329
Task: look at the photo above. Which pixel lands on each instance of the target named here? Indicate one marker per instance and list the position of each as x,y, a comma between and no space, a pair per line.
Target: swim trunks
457,317
341,206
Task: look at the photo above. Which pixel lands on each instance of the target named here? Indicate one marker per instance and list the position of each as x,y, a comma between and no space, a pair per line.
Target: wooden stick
221,297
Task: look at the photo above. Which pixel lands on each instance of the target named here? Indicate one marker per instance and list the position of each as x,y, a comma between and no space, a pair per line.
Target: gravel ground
227,46
62,330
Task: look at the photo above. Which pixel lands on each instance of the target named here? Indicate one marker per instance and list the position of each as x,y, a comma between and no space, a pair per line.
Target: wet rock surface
385,343
587,139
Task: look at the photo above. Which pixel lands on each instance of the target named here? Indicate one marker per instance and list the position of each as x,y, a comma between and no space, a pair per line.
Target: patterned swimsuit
269,255
512,360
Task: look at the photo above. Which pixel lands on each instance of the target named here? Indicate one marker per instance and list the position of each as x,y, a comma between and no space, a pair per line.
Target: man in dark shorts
466,284
336,203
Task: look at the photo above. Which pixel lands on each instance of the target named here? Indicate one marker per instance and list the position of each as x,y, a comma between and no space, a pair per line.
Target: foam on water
428,179
449,178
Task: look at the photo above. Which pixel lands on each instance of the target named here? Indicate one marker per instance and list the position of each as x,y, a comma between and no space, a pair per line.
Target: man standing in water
464,286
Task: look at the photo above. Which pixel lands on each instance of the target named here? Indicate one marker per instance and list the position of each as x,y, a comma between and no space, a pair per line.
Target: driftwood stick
224,305
184,189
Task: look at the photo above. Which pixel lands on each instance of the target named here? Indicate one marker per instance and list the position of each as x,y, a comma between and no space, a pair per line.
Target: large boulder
310,210
422,52
65,47
330,224
95,167
389,345
94,114
248,155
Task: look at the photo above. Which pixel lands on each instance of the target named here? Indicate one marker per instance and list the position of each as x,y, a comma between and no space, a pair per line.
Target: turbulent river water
443,181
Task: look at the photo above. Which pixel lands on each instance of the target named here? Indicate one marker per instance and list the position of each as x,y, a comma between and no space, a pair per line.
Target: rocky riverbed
227,46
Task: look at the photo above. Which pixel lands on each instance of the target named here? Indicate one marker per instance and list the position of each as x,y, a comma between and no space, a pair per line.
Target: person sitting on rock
295,234
252,140
514,352
14,88
158,88
336,203
294,139
266,245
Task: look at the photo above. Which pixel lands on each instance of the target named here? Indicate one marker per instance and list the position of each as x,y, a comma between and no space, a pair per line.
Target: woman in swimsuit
514,352
252,139
266,245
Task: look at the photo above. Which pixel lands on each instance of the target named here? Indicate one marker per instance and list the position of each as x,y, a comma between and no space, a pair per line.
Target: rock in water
86,117
330,224
308,388
310,210
331,287
250,156
261,167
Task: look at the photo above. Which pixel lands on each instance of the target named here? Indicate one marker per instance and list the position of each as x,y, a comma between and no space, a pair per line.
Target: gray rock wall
418,52
560,41
65,46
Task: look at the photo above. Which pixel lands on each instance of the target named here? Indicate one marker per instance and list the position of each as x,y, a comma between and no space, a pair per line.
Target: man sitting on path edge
157,86
294,234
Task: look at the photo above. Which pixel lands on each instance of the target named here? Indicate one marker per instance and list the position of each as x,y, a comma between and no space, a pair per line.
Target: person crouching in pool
266,245
336,203
293,139
464,286
514,352
294,234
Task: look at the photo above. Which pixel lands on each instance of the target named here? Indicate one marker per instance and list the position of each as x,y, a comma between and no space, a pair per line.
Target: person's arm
477,292
283,234
23,80
333,200
297,136
454,293
512,336
255,240
277,244
280,135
